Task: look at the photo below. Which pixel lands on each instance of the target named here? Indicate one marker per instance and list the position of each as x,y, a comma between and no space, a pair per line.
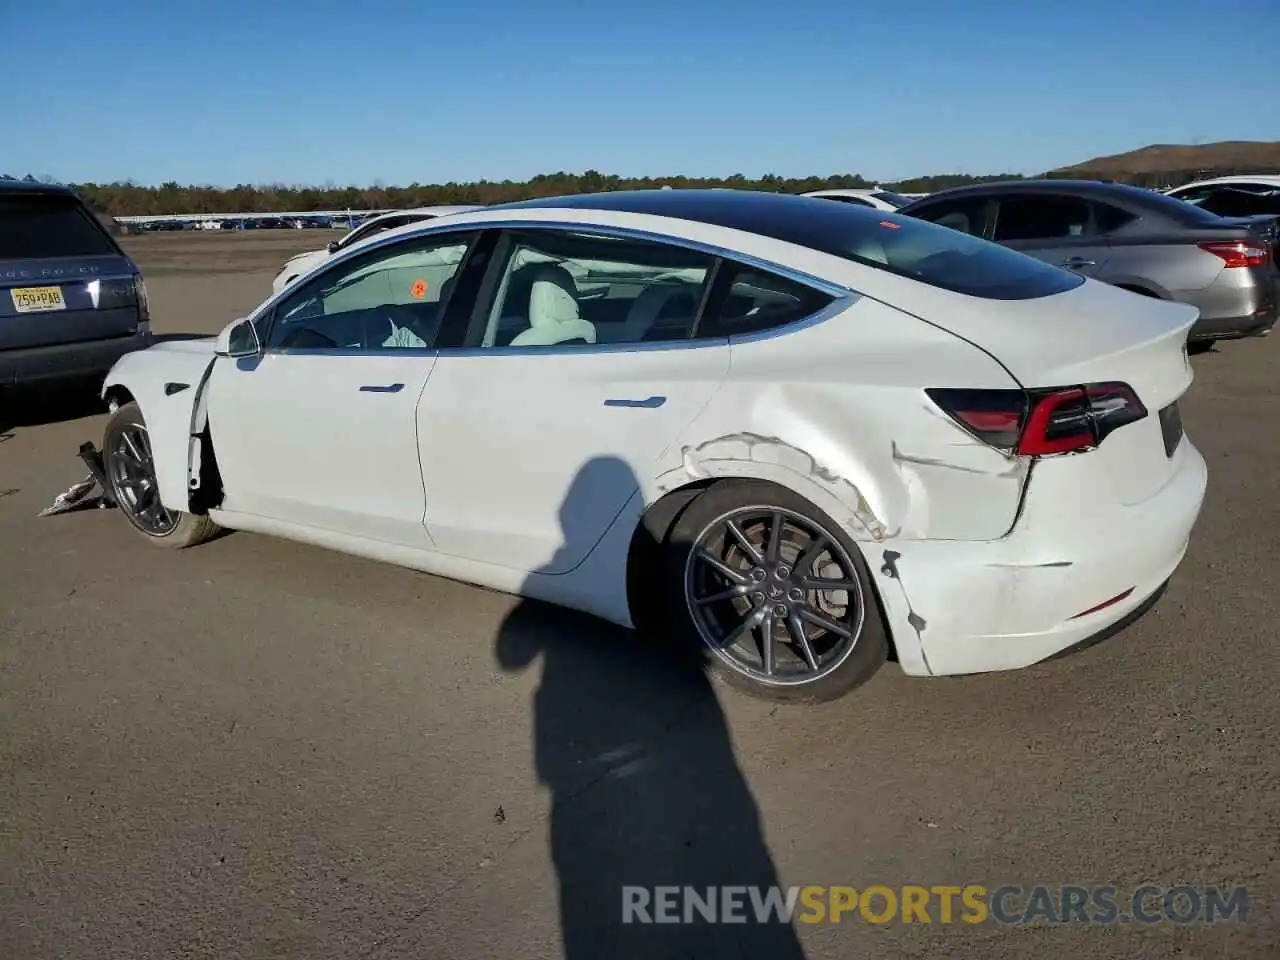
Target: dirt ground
259,749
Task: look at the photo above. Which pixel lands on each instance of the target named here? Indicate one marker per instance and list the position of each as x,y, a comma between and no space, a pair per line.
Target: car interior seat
553,315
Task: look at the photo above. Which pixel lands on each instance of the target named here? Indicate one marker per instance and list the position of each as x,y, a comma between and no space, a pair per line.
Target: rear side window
1041,218
1111,219
752,300
35,226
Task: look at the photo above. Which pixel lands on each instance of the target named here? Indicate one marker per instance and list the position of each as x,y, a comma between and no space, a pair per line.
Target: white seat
553,313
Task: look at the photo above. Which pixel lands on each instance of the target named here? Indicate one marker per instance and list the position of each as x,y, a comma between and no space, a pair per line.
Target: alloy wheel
133,477
774,595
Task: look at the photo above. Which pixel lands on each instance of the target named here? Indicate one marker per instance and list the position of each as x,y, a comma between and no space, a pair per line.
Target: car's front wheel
130,471
775,592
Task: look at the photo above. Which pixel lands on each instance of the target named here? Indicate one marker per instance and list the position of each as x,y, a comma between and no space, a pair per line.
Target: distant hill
1173,164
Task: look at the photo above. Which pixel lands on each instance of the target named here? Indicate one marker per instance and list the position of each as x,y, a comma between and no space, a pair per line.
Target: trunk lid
48,302
1096,333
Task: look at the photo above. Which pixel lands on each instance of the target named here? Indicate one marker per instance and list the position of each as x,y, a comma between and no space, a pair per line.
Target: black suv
71,301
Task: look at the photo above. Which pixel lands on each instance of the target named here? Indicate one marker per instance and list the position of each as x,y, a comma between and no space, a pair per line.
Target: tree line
132,199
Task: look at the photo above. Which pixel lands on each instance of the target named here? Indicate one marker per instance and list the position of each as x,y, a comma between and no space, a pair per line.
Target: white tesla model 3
800,434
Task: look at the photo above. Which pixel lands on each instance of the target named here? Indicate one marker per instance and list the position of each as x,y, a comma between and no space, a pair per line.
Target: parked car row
1212,244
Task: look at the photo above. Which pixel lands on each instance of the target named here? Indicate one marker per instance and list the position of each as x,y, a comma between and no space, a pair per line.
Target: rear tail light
1040,423
144,308
1239,253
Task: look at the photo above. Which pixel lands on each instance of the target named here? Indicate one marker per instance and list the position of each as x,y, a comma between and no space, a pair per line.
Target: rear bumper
1001,605
1233,328
1245,307
66,361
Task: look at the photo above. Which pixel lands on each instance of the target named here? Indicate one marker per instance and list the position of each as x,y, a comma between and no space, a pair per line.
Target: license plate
35,299
1171,428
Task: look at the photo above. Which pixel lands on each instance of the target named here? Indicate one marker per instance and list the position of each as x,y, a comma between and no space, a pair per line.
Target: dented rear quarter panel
837,412
144,376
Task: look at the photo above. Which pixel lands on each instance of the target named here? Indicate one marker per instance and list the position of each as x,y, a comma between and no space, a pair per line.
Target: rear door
574,377
1058,229
62,277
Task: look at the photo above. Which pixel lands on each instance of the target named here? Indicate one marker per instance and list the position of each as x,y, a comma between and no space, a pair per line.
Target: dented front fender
166,381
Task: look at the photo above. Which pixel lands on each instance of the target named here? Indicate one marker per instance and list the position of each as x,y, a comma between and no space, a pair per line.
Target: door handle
648,404
1073,263
389,388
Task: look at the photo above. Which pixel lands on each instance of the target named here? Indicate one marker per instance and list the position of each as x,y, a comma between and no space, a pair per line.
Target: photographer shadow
646,792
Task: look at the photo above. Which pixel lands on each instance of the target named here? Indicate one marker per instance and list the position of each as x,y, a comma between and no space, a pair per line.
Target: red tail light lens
1041,423
1239,253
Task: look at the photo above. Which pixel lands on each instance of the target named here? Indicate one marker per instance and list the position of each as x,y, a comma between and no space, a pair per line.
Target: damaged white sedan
801,435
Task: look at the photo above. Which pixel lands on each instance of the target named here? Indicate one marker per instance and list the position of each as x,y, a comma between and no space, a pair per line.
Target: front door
320,429
576,375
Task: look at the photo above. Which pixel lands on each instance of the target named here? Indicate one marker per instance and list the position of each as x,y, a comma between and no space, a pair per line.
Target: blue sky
396,91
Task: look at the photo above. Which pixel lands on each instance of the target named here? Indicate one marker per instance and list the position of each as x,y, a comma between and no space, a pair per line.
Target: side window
559,288
1194,195
966,214
368,230
1111,219
755,300
390,298
1041,218
855,200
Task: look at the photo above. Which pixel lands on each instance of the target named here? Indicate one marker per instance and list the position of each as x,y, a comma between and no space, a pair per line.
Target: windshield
888,196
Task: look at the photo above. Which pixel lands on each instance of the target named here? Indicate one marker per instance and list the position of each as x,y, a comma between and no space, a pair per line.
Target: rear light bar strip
1041,423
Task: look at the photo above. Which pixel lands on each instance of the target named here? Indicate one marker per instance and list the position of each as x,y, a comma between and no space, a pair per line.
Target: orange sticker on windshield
419,289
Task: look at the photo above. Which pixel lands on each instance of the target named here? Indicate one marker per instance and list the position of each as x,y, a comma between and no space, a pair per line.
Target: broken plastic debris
75,495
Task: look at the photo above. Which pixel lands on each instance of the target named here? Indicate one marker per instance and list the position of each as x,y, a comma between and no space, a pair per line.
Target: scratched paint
756,448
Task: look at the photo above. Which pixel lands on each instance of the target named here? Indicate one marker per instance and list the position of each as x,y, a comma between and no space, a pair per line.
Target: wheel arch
168,387
654,527
117,395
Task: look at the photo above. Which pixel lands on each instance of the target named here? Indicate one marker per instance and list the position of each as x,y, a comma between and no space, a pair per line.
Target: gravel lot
257,749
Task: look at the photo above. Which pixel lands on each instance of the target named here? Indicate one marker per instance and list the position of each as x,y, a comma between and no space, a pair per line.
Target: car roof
1147,203
1267,178
435,211
844,192
805,221
26,186
1094,188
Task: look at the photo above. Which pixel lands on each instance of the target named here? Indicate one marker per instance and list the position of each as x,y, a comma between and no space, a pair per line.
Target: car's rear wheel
775,592
130,470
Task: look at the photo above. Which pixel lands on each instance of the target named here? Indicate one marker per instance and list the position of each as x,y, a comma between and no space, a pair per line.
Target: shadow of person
630,739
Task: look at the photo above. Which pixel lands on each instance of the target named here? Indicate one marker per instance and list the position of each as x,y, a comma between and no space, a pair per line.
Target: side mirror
333,246
238,339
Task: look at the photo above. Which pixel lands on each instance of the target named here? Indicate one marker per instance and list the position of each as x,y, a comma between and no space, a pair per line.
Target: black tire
177,529
1197,347
838,664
